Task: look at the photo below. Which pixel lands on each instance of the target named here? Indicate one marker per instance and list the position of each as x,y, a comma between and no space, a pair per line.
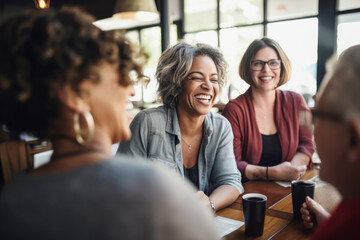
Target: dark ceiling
99,8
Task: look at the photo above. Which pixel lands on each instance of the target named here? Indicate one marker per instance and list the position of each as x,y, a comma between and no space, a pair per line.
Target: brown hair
245,70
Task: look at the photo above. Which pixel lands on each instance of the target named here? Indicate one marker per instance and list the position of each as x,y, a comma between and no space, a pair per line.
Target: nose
266,67
207,84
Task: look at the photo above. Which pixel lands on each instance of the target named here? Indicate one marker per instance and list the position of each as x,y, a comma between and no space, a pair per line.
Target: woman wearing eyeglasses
183,134
269,144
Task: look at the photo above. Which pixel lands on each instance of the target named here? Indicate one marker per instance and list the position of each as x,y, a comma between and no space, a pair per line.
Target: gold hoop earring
89,132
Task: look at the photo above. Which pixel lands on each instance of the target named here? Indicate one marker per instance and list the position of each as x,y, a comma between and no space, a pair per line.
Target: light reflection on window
298,39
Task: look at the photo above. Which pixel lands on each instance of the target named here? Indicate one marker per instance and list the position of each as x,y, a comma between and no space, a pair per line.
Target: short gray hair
175,64
344,93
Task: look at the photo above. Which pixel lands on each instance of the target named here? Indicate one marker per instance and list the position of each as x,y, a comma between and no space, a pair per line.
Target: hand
204,198
287,172
311,206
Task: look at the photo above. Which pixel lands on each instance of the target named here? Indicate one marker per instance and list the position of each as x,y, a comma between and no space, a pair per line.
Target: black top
271,154
192,174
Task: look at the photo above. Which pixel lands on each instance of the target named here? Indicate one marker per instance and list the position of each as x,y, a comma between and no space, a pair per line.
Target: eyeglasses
258,65
317,113
308,117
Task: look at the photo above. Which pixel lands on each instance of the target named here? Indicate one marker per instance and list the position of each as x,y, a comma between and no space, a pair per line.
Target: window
292,23
345,31
234,42
234,12
284,9
200,15
298,38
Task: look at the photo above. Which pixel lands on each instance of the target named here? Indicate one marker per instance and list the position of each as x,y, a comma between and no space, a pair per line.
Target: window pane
209,37
282,9
345,31
151,41
233,43
234,12
133,36
299,39
348,4
173,34
200,15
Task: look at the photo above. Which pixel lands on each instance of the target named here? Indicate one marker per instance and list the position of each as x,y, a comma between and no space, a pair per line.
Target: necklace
189,145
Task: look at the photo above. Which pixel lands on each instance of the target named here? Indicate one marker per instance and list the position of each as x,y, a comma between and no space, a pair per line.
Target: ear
72,99
354,142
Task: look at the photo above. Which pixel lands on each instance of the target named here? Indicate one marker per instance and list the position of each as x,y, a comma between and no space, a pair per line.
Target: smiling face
108,104
200,88
266,79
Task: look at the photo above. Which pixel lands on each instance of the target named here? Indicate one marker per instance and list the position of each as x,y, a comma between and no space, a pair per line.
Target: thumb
313,205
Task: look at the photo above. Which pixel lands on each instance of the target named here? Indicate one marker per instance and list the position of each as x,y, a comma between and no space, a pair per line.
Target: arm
217,197
233,114
306,146
137,145
225,176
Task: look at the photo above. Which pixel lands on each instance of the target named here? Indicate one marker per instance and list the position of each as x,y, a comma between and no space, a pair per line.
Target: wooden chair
13,158
18,155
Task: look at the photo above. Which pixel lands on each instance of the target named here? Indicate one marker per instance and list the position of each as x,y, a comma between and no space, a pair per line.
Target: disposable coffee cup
300,189
254,207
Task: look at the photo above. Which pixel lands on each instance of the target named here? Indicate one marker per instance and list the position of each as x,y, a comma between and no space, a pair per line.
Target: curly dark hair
42,50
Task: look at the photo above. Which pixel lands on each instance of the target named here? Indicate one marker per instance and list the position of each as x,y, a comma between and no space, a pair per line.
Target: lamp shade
141,10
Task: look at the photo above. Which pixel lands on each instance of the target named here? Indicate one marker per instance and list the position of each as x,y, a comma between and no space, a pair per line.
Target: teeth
266,78
203,97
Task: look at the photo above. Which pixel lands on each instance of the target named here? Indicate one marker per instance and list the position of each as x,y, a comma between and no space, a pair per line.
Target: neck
263,99
67,147
190,125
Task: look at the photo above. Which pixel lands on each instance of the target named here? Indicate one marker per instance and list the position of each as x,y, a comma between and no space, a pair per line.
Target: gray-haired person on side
183,134
336,119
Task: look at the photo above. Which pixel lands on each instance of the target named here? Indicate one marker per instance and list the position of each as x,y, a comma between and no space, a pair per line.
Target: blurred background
309,31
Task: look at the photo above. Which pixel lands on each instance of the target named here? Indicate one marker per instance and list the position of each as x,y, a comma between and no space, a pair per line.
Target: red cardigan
247,138
343,224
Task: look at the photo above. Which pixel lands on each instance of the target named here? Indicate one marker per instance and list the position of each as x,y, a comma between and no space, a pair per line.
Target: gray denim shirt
156,136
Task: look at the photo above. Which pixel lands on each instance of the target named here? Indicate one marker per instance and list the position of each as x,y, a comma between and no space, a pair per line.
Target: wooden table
279,223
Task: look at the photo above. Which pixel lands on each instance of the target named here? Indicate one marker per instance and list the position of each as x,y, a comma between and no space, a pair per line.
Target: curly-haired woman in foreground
63,78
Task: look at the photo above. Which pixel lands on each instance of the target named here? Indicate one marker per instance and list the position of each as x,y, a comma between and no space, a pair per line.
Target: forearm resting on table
300,159
223,196
254,172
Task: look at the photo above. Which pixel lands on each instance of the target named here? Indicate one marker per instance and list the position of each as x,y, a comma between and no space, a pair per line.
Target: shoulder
160,111
290,95
217,119
155,115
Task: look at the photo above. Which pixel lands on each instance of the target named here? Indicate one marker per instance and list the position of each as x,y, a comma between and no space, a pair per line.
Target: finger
305,211
309,224
311,204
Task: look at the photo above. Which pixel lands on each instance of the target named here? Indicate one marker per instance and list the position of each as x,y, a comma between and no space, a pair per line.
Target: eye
214,80
257,64
195,78
274,63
